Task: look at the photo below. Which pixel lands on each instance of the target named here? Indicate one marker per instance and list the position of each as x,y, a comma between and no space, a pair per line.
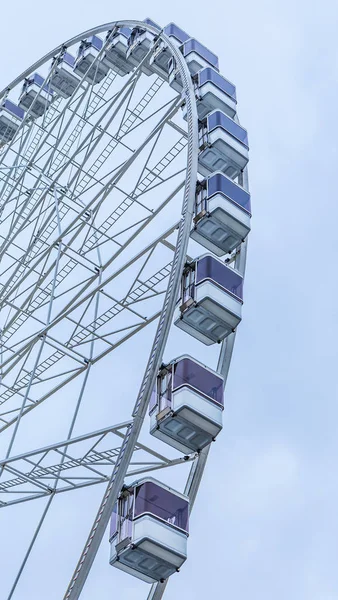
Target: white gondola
116,53
149,530
187,405
222,214
213,92
223,146
63,80
159,61
140,42
87,55
210,304
36,97
11,116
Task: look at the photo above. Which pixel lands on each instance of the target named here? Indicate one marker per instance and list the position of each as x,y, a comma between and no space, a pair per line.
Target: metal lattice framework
96,206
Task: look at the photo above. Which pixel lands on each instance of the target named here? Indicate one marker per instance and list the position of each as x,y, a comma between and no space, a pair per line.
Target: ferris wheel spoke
30,548
96,198
123,126
83,186
131,128
59,138
138,292
142,186
39,352
120,98
135,295
64,456
104,266
67,375
78,404
24,152
27,156
21,362
88,110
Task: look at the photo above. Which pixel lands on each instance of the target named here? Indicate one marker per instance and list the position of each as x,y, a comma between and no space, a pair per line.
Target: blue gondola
213,92
222,214
87,55
223,145
63,80
197,57
161,56
11,116
186,407
35,96
211,299
139,44
149,530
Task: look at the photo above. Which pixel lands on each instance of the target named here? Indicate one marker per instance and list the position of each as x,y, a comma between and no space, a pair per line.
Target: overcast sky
265,523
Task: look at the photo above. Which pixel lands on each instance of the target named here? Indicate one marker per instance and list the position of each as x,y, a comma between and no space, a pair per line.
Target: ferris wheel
125,212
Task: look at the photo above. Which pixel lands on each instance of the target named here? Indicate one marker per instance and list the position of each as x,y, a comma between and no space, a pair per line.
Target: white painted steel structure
97,196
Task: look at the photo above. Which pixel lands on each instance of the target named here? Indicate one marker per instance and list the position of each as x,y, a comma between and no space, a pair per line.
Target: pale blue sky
265,523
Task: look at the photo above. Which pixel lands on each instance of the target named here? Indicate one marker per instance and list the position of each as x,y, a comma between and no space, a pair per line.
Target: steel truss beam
78,468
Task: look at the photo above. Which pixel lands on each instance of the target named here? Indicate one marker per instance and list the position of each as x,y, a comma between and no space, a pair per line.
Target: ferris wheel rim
96,534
